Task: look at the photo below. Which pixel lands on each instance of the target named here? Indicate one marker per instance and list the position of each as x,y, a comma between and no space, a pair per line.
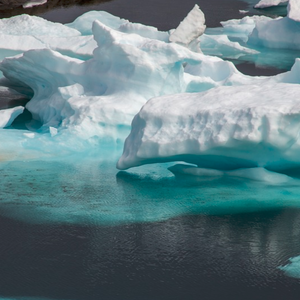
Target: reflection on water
80,191
77,229
185,257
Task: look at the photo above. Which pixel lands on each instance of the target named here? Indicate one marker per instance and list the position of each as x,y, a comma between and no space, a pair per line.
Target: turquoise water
88,190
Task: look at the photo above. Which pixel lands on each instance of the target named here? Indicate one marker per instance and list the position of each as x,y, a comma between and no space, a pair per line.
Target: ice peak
190,29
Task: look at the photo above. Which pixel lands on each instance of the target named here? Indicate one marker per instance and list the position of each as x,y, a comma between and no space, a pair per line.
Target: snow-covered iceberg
91,77
223,128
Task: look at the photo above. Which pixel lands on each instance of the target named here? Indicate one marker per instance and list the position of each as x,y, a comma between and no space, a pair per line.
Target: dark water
188,257
164,15
83,231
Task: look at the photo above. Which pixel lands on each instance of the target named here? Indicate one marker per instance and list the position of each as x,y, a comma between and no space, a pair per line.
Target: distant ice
269,3
32,3
92,76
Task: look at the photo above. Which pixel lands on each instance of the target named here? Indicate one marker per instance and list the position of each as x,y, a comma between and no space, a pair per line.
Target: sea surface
77,229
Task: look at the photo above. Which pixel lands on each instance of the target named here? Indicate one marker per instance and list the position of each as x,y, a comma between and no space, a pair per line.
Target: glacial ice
91,77
217,128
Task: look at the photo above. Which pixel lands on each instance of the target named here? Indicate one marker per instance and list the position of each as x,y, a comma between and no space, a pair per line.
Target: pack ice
91,77
262,31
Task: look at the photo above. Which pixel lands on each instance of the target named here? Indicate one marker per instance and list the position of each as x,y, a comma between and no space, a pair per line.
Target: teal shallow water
90,191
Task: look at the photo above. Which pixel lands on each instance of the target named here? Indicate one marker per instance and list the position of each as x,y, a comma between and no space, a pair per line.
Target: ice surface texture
223,128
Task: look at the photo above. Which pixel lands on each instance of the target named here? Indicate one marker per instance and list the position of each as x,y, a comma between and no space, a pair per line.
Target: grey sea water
78,229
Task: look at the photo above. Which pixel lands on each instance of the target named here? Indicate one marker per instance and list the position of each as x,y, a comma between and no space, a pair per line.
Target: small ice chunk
30,135
243,11
34,3
53,131
192,27
292,269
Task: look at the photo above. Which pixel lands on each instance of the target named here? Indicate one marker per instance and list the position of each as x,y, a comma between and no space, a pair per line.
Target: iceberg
225,128
88,79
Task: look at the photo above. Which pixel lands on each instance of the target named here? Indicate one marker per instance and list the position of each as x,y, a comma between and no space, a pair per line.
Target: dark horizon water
188,257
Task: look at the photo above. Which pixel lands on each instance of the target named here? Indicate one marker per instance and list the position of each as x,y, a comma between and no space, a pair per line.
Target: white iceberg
223,128
90,78
32,3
